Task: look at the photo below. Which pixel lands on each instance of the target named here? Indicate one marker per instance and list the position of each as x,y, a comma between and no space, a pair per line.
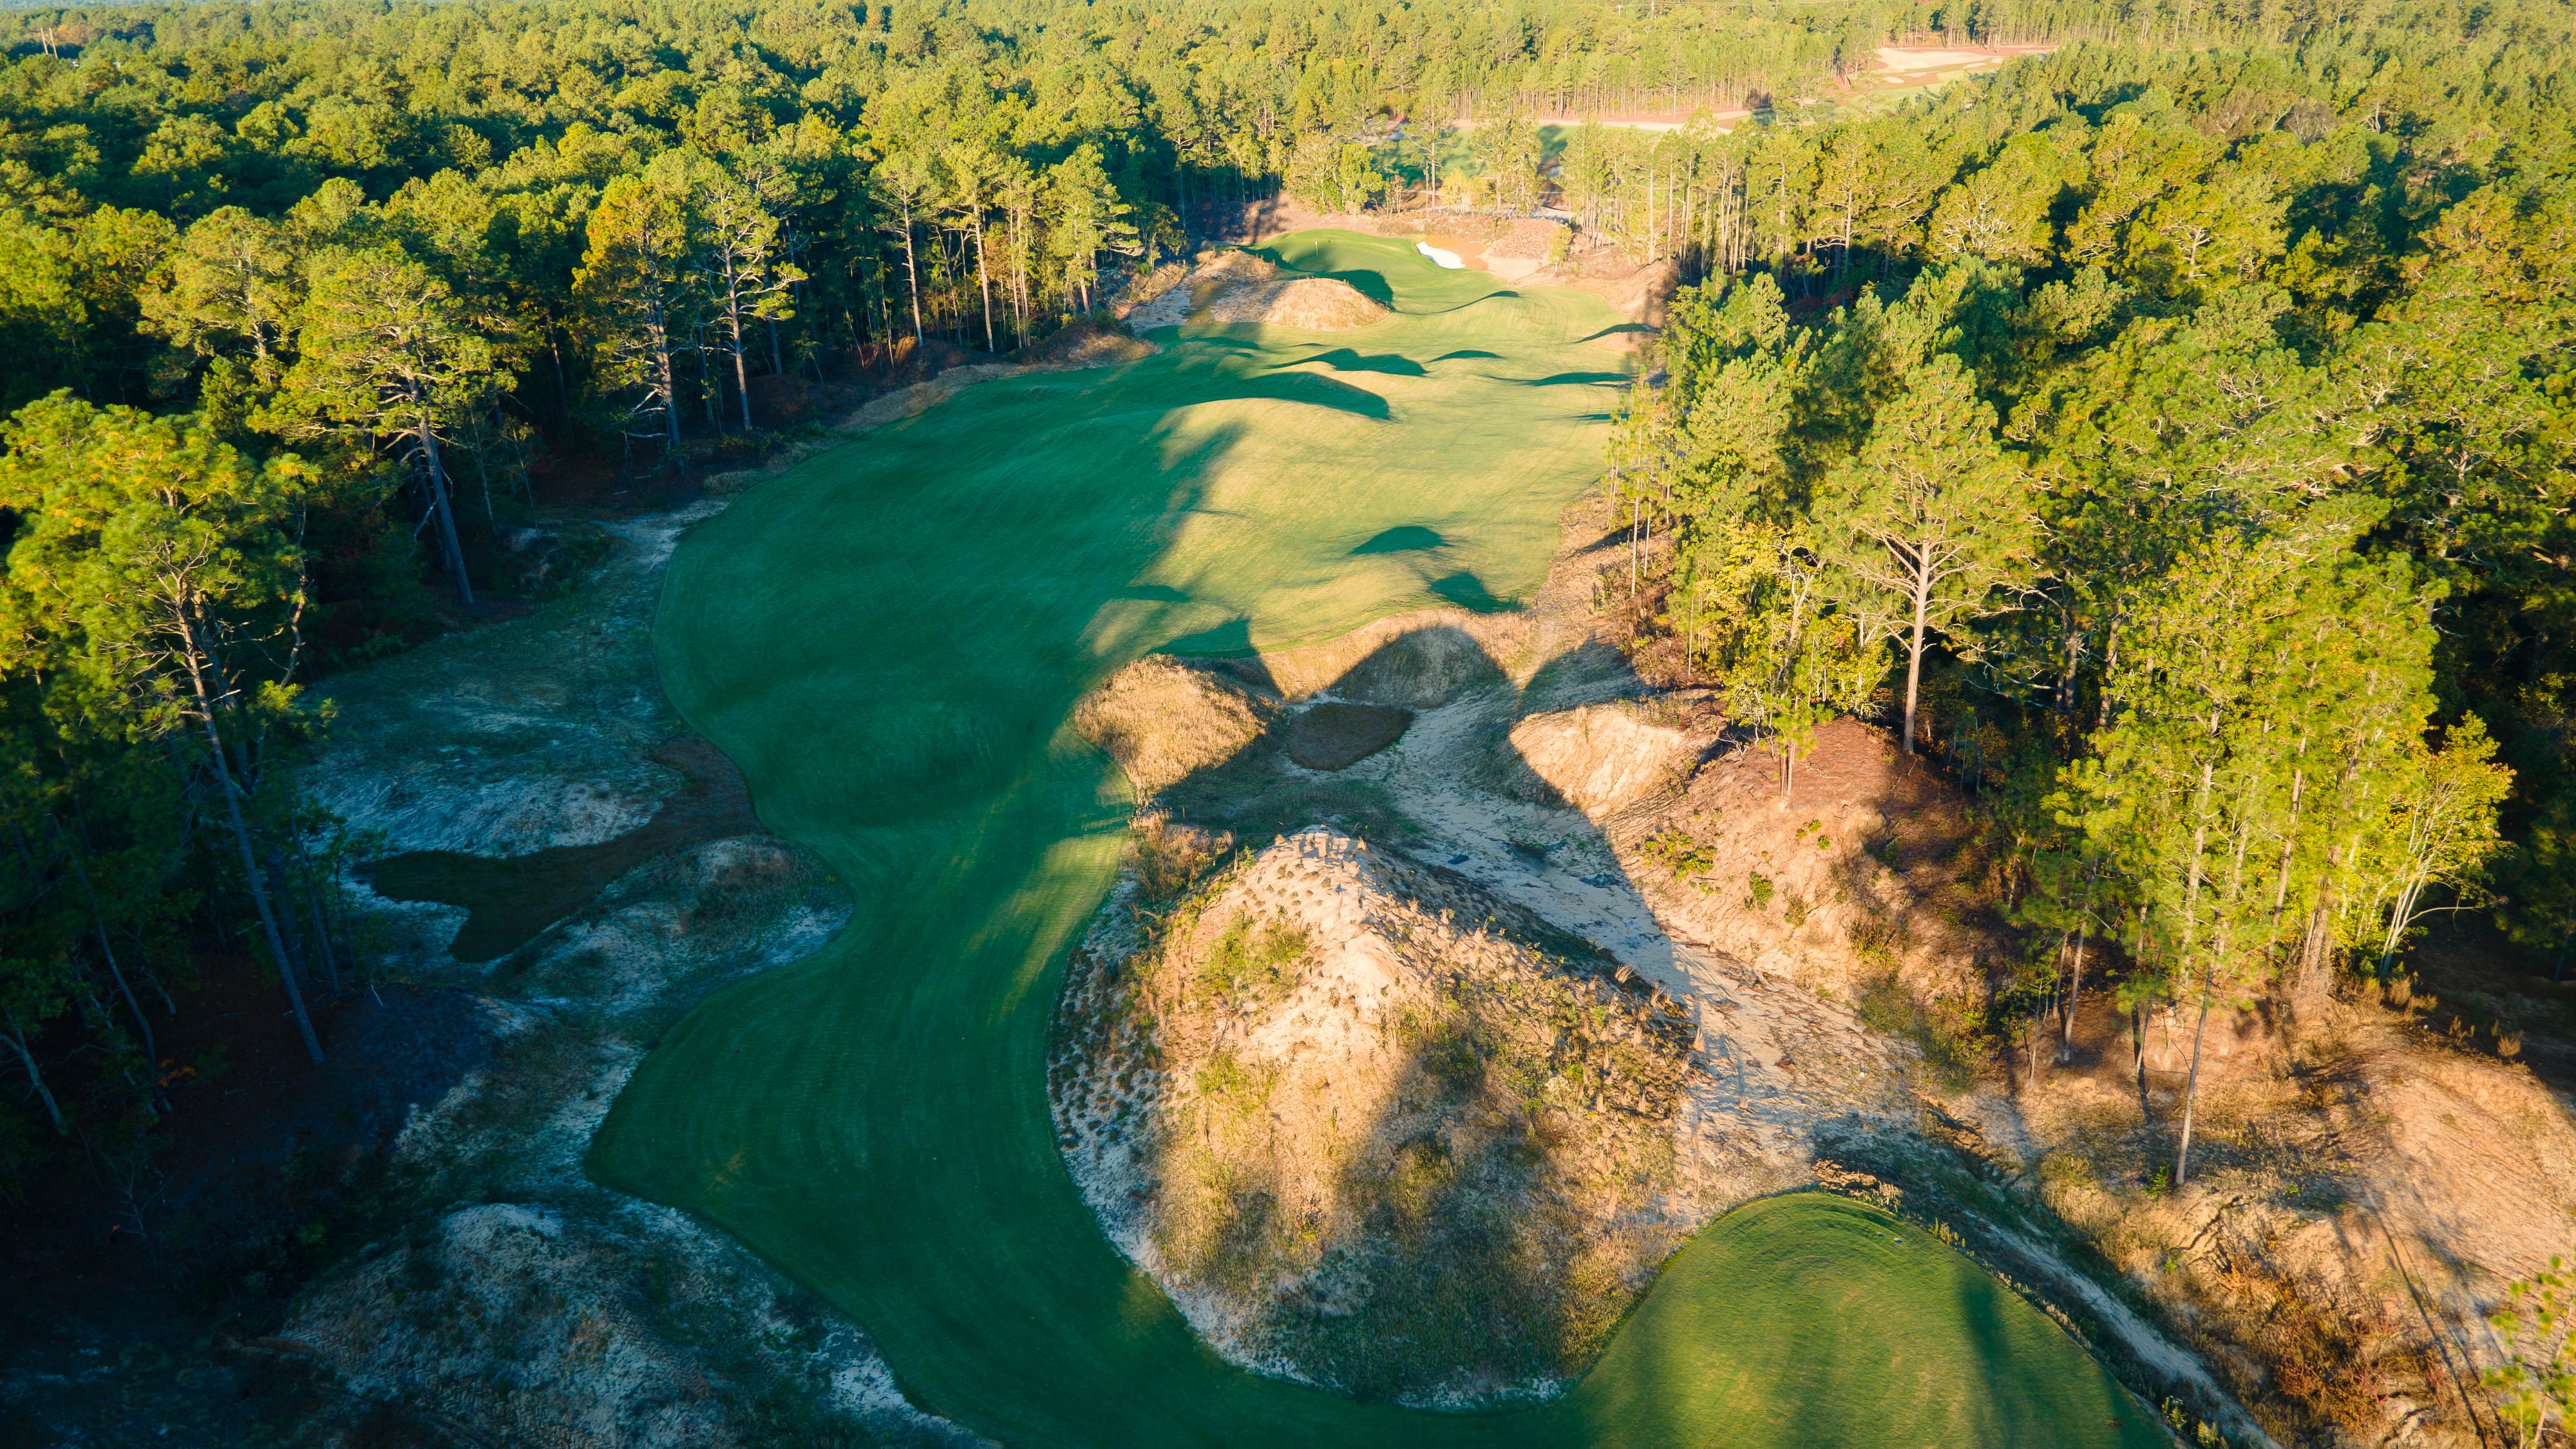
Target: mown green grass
1814,1320
889,639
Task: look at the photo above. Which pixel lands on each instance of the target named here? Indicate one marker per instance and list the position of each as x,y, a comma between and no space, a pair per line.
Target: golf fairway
888,641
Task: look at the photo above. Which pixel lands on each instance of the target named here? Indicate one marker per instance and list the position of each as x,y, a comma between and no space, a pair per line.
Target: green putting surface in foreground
888,641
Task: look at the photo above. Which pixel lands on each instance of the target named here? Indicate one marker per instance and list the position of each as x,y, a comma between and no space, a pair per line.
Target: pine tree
1089,219
1929,512
159,563
634,286
739,205
390,352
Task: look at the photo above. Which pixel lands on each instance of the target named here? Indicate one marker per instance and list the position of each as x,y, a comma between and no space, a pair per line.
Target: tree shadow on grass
1405,538
1372,284
1234,636
1469,592
1343,359
1219,375
1316,391
1584,379
1617,329
1368,283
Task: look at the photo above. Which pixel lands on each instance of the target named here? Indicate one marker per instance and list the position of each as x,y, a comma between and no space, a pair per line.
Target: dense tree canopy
1977,402
2203,423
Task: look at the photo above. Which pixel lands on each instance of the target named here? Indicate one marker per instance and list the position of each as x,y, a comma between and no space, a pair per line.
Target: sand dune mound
1344,1099
1315,304
1086,345
1163,720
1229,269
1233,287
1598,758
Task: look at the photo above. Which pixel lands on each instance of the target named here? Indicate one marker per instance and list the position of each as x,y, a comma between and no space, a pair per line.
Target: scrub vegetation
1410,1152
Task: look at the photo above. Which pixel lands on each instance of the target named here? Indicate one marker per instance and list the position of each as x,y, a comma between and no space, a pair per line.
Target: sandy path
1776,1060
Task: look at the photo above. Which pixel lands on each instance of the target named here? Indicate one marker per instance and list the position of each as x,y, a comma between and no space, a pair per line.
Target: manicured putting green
888,641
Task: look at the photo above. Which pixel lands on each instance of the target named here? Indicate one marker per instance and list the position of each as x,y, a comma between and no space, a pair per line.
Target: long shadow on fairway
1343,359
1585,379
1315,391
889,641
1410,538
1361,260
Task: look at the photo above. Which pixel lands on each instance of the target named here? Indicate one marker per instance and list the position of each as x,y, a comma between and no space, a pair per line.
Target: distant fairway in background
889,639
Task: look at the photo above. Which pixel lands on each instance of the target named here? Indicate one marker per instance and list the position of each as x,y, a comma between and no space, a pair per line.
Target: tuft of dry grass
1162,720
1312,304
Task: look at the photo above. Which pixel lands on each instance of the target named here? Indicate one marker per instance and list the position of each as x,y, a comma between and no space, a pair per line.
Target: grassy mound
889,640
1318,304
1359,1112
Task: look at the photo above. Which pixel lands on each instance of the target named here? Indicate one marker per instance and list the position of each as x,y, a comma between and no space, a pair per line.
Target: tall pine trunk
321,921
288,928
667,377
984,283
428,437
1914,649
2075,986
2191,1084
2209,974
35,1074
241,837
912,276
733,338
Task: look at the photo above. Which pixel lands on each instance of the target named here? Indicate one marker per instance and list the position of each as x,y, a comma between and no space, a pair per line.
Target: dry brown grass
1085,345
1368,1110
1313,304
1227,269
2369,1143
1161,720
1870,870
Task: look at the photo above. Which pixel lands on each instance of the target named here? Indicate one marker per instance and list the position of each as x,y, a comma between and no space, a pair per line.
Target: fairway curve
889,641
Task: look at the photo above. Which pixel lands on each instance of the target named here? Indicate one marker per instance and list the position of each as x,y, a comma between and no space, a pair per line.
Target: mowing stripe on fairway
888,641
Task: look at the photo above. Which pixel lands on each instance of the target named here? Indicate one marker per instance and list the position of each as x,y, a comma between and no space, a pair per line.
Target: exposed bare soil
1344,1104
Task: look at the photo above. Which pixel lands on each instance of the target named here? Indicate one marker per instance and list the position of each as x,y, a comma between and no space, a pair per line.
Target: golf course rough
889,640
